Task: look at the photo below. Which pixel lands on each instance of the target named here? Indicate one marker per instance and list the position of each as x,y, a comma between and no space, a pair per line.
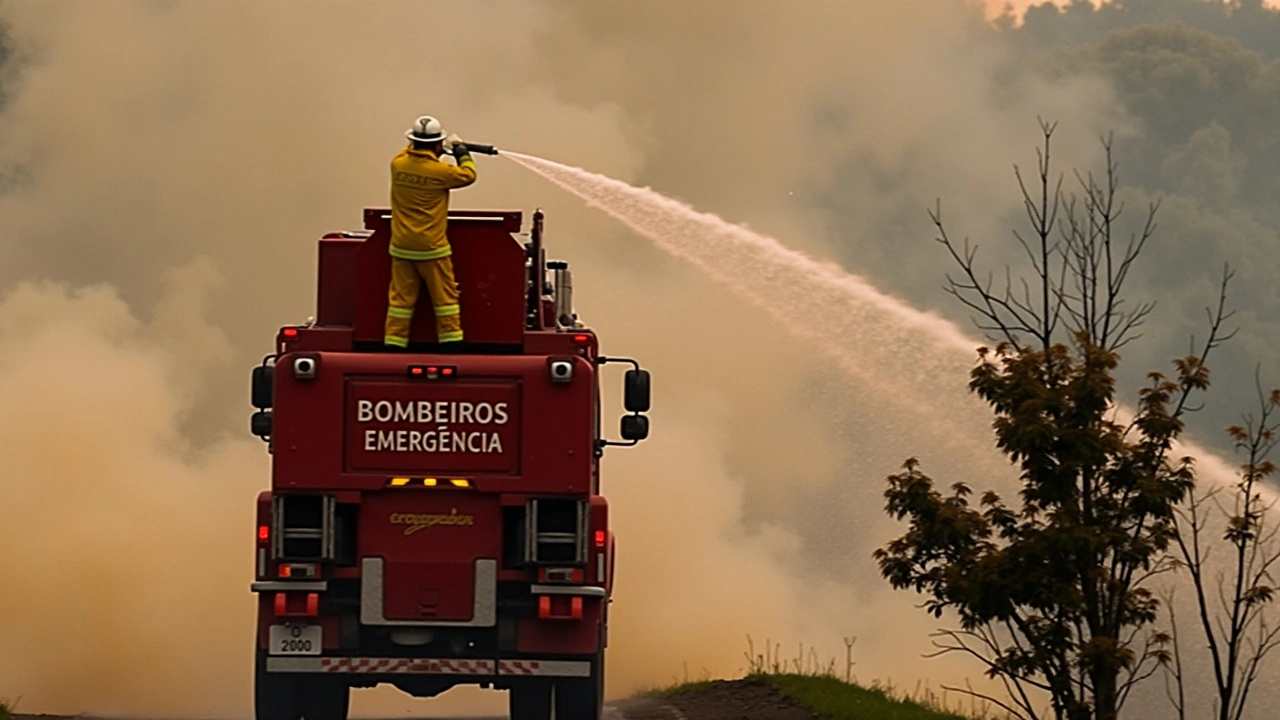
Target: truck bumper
427,666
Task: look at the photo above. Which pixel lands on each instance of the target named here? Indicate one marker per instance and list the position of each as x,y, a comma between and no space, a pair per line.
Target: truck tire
275,696
582,698
325,699
531,701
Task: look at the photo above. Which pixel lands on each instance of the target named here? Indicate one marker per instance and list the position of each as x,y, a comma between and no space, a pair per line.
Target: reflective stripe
429,666
450,336
467,162
405,313
397,341
381,666
562,668
445,310
403,254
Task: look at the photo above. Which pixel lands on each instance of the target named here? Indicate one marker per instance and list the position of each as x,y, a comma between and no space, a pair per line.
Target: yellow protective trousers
406,278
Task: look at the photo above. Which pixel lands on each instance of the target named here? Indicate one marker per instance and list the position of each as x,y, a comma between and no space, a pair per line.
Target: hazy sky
167,237
168,167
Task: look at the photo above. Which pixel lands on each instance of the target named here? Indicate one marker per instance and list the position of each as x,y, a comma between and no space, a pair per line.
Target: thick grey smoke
169,165
1200,80
123,545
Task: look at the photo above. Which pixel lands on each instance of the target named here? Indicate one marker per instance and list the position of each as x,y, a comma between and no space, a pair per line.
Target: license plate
295,640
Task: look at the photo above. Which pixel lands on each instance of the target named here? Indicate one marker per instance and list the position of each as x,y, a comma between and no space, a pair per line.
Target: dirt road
629,710
726,700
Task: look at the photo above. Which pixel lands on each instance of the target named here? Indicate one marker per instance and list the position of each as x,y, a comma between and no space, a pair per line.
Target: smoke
113,600
169,166
873,107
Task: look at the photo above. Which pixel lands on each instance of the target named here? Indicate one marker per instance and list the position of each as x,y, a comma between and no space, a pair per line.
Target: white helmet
425,129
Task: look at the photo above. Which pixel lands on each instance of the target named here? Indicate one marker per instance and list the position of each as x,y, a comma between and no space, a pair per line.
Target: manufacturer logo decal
414,522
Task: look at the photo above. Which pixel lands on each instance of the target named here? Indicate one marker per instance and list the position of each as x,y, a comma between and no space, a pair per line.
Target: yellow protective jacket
420,186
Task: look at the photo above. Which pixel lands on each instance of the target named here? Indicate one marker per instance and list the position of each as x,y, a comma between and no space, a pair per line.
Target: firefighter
420,252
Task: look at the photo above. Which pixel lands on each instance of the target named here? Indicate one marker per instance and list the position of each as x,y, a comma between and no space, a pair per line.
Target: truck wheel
531,701
325,699
275,695
582,698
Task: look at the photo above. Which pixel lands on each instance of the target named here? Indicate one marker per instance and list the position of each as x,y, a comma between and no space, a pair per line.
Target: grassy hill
833,699
827,697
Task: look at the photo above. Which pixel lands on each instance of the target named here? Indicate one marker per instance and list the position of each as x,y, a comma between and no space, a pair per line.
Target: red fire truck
435,518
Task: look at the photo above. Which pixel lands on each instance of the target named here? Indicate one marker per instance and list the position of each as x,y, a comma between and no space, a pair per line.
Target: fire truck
435,516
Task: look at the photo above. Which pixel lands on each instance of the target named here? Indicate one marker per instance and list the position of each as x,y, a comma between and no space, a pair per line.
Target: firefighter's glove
453,143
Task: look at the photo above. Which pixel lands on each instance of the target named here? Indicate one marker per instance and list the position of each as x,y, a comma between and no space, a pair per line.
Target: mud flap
275,697
582,698
530,700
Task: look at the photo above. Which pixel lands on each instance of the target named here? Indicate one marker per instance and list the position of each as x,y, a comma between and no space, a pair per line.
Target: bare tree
1079,265
1233,594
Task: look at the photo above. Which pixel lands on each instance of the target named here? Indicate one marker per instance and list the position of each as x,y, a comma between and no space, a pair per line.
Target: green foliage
833,699
1059,573
6,709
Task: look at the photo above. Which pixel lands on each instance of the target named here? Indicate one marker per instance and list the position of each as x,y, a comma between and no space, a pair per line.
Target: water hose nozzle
481,148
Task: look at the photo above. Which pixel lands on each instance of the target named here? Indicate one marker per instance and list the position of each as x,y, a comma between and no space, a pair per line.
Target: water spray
927,353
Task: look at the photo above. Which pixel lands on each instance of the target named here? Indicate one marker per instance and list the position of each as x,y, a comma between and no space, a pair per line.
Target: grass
834,699
831,698
6,709
677,689
832,693
677,685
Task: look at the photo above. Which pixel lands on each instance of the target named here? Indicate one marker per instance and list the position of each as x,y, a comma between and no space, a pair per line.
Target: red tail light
559,607
310,605
600,538
264,533
433,372
290,333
